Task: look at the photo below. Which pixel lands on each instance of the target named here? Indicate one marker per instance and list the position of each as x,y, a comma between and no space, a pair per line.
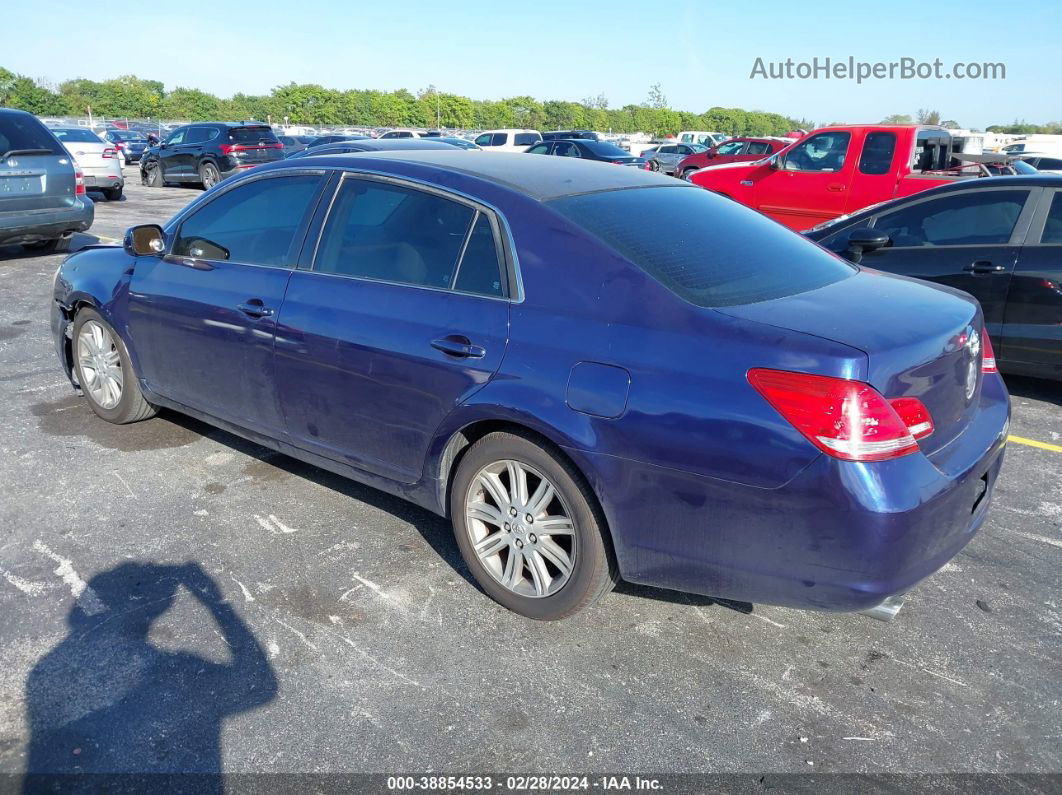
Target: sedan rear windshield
706,249
605,149
25,132
252,135
77,136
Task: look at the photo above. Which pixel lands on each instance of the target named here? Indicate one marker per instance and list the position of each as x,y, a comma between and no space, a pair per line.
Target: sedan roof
541,178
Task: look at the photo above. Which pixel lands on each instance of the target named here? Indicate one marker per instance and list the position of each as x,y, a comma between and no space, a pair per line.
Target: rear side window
526,139
1049,164
480,269
878,149
377,230
758,148
1053,227
696,244
25,132
254,135
253,224
972,218
198,135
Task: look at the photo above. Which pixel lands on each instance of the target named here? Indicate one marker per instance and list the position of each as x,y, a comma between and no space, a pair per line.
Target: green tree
926,116
898,118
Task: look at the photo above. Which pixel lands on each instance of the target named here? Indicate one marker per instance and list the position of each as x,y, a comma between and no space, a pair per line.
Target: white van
507,140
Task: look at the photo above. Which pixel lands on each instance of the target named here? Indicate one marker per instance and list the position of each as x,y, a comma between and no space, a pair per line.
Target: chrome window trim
514,277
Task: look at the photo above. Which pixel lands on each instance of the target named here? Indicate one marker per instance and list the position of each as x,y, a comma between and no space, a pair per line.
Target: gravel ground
175,598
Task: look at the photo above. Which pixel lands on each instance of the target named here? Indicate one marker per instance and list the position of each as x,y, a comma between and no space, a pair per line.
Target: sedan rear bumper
29,227
839,536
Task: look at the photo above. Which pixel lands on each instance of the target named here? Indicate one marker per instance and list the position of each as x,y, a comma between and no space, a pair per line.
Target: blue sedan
594,372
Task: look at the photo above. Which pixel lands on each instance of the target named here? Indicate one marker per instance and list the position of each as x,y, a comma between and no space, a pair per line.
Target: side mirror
145,240
862,240
710,153
778,163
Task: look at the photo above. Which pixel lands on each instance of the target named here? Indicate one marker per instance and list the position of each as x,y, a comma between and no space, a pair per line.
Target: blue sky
700,52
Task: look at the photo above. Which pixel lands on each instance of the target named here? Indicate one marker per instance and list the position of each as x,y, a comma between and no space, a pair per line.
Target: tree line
132,97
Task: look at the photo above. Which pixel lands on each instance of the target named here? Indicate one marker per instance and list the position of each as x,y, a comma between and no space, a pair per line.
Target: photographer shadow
106,705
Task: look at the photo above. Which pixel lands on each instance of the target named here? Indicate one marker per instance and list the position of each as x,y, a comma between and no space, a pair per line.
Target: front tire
151,175
529,528
105,373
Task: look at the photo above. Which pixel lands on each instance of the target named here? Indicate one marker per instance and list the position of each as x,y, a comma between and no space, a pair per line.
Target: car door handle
835,187
255,308
459,346
983,266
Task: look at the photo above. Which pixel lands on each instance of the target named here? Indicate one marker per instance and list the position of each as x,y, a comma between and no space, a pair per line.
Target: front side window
730,148
387,232
197,135
539,149
878,149
177,137
499,139
483,140
1049,164
970,218
565,149
253,224
823,152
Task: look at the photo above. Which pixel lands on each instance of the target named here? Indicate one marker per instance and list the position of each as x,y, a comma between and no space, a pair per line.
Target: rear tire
654,166
209,175
105,372
112,194
550,559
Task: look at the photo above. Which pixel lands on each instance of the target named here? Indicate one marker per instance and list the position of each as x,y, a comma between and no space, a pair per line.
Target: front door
402,318
810,187
968,240
204,315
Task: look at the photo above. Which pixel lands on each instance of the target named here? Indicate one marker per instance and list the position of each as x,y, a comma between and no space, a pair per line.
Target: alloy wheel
100,365
521,529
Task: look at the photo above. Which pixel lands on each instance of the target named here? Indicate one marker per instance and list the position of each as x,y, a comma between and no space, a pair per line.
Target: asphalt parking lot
347,635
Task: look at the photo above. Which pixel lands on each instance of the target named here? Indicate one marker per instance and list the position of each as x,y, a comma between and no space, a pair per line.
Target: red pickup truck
836,171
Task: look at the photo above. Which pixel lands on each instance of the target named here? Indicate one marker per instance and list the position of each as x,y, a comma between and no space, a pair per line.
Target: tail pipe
887,610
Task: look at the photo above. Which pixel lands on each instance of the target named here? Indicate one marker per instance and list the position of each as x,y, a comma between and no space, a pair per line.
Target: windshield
697,244
75,135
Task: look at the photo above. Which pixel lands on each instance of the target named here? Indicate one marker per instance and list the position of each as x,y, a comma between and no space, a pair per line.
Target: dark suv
208,152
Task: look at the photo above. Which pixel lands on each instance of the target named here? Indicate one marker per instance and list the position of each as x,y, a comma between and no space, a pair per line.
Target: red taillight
108,153
988,359
79,182
120,145
914,415
278,145
228,149
846,419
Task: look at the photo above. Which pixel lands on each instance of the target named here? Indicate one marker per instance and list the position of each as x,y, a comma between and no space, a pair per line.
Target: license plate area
19,183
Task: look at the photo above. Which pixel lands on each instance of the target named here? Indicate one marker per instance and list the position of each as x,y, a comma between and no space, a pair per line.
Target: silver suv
42,195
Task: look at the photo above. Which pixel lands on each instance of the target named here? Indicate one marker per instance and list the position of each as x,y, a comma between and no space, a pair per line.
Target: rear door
964,239
203,315
1032,325
403,316
36,173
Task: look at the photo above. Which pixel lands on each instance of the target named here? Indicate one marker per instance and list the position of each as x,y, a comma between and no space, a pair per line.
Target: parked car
733,151
520,344
1045,164
376,145
42,192
129,143
568,135
101,168
667,157
291,144
322,140
460,143
999,239
838,170
588,150
402,133
208,152
507,140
